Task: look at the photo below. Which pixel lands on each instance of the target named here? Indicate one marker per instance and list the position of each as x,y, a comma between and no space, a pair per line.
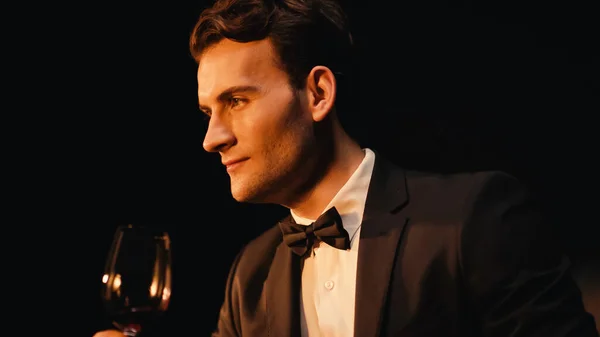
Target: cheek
273,119
274,125
257,130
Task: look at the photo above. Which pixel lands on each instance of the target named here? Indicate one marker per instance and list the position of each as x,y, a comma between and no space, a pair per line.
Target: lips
233,164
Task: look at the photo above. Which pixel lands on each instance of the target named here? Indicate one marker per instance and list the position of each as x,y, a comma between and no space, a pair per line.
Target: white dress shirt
329,274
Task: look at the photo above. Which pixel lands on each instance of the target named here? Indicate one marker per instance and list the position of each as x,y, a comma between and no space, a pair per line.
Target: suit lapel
383,224
282,289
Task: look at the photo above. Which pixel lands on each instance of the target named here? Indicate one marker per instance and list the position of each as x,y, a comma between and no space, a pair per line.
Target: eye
236,102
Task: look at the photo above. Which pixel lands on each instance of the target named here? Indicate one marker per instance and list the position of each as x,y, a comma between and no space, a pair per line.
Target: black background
444,86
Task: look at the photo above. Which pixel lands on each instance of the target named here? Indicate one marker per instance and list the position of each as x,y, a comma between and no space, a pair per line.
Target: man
369,249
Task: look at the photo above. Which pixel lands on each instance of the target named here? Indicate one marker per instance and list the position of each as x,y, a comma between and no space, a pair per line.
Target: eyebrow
227,93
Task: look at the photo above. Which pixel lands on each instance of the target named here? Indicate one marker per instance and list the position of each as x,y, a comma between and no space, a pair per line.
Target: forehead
229,63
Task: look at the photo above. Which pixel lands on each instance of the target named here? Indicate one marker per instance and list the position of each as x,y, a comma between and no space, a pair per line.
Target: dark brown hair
305,33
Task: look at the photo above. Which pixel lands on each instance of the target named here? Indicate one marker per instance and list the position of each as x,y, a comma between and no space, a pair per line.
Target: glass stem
131,331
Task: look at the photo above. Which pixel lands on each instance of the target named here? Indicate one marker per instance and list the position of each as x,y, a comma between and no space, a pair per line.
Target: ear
321,90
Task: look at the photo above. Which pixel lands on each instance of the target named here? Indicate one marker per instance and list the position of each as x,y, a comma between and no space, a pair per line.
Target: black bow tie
327,228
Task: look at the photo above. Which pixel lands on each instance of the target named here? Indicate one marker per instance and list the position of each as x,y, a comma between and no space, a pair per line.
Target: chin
237,196
248,196
241,194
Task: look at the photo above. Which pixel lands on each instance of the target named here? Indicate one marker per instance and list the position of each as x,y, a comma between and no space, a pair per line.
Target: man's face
258,123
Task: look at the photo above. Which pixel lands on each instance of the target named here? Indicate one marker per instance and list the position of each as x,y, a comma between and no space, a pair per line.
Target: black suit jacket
440,255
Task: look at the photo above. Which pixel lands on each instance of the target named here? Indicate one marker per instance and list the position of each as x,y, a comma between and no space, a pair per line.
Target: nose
218,135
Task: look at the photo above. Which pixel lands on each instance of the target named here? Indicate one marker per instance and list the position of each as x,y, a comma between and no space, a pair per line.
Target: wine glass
136,285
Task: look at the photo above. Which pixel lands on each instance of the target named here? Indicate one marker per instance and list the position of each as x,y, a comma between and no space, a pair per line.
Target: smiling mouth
233,166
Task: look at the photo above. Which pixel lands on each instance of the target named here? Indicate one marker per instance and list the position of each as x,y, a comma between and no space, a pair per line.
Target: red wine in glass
136,285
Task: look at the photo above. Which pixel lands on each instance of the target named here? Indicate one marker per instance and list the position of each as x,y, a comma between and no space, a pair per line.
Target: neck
345,157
